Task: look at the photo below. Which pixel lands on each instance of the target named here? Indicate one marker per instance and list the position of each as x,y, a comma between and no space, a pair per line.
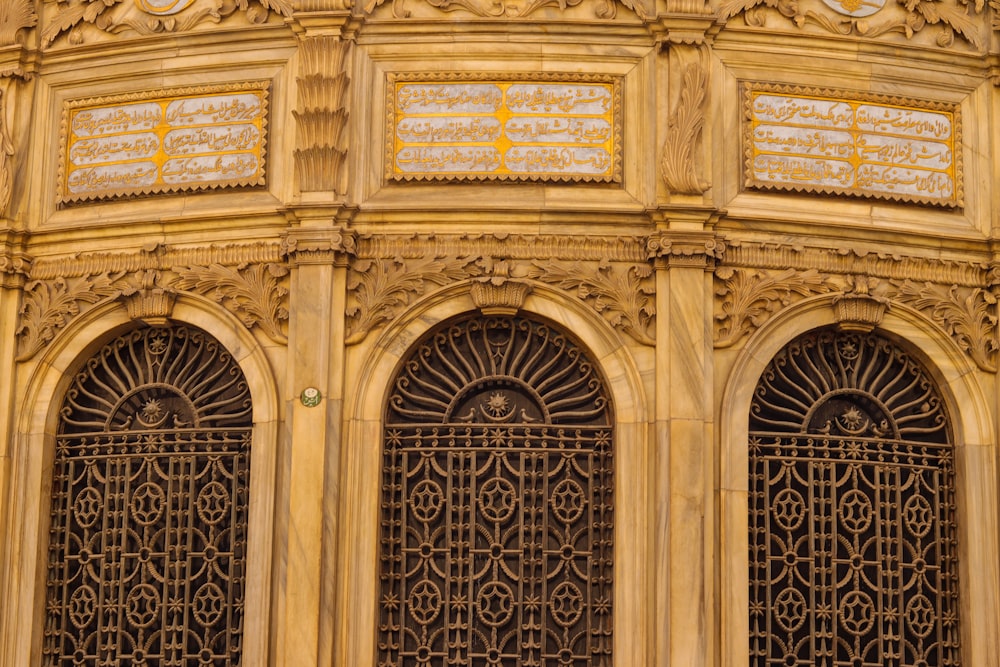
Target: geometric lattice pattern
497,502
149,506
852,510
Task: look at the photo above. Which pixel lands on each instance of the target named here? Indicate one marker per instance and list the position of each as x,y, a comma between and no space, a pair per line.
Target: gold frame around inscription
751,89
165,96
392,143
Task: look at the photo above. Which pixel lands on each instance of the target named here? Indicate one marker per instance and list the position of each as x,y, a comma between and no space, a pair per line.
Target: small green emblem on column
310,397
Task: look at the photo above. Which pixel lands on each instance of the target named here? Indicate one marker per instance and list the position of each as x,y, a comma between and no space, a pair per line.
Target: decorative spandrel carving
852,527
969,315
78,21
889,20
150,494
238,277
621,293
497,523
750,297
380,288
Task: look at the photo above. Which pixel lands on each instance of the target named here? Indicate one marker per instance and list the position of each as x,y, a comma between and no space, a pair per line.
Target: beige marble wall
679,279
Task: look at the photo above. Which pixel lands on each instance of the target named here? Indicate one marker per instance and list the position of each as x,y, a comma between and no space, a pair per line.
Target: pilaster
317,251
684,260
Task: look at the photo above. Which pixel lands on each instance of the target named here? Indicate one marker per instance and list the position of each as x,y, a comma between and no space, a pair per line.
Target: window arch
852,534
150,495
497,501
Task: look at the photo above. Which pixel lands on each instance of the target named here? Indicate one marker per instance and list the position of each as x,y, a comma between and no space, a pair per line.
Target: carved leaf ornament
951,17
148,17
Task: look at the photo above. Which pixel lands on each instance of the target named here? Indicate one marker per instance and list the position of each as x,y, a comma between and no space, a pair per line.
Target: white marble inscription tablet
164,141
507,127
838,143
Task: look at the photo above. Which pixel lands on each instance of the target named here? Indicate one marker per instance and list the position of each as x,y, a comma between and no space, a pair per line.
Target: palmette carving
678,160
147,18
255,293
380,288
969,315
622,294
49,305
751,297
322,114
15,15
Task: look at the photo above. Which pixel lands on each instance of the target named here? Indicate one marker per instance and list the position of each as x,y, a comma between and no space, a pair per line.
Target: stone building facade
499,332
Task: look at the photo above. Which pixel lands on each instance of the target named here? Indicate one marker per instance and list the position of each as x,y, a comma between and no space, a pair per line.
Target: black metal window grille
497,502
852,510
147,551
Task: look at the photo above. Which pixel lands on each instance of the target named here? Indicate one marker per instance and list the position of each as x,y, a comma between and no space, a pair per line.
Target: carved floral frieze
957,296
946,20
613,276
249,281
78,21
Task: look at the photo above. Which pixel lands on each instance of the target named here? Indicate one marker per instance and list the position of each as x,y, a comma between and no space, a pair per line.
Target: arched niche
47,379
963,399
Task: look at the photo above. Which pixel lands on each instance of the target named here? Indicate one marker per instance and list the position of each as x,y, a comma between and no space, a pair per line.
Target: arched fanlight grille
147,552
497,502
852,511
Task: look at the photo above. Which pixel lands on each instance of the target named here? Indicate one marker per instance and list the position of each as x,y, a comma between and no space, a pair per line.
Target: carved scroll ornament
950,18
255,293
149,17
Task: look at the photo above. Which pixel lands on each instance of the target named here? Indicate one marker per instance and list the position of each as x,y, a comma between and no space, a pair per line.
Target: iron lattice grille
852,528
149,506
497,503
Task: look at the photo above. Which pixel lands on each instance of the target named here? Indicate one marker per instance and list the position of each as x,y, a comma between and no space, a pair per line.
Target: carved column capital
692,249
316,246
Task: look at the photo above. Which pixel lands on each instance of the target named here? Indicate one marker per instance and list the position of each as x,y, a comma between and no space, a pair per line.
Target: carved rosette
249,281
322,114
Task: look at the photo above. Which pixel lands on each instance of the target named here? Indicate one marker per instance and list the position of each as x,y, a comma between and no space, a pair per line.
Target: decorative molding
686,249
603,9
906,17
750,297
255,293
248,280
969,315
509,246
144,18
332,246
15,16
622,294
378,289
322,114
678,163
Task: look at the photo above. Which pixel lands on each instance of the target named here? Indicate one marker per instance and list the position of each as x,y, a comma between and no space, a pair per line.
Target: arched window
852,509
497,502
150,483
